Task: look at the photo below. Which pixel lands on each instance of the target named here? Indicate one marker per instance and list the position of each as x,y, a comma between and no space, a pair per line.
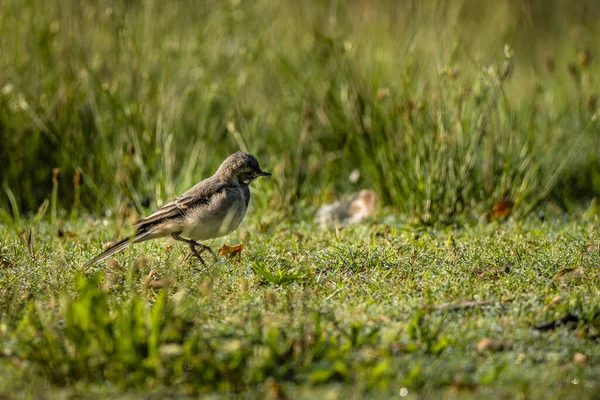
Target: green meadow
477,125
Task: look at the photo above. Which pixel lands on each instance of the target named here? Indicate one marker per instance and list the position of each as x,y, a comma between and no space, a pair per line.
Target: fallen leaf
501,208
593,247
146,279
231,250
60,233
492,345
464,387
570,273
153,281
161,283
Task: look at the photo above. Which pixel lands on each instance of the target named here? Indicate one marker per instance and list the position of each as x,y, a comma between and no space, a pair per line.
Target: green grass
360,312
110,108
141,99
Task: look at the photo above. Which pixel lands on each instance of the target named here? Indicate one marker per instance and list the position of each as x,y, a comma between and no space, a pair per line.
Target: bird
212,208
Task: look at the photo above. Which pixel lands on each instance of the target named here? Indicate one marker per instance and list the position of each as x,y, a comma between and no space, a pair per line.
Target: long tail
120,245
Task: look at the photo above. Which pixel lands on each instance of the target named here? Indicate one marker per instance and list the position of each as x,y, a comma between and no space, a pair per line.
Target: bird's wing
178,208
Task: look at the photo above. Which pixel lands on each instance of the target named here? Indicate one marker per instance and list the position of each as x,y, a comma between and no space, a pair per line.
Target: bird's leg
197,253
193,245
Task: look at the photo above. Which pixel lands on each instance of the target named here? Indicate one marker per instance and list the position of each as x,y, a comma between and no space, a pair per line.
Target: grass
138,100
369,310
448,110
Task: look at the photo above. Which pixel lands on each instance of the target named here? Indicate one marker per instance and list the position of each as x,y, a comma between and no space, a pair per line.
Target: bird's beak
264,173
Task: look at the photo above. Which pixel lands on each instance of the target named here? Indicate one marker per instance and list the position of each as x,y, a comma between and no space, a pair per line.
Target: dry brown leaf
492,345
60,233
152,281
567,273
232,251
501,208
464,387
161,283
299,236
146,279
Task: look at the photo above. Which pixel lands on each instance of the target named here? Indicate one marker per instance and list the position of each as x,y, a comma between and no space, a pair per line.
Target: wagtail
212,208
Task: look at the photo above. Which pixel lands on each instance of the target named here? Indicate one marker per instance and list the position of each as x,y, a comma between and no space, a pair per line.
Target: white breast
218,218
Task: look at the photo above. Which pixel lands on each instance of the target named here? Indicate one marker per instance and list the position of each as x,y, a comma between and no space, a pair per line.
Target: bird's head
242,167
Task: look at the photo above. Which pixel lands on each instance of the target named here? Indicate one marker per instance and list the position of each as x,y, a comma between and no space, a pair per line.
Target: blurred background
443,107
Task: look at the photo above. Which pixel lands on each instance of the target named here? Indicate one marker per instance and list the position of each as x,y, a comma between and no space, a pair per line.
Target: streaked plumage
212,208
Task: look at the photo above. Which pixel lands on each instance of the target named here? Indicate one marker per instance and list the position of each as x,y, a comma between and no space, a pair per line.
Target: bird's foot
193,244
203,248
